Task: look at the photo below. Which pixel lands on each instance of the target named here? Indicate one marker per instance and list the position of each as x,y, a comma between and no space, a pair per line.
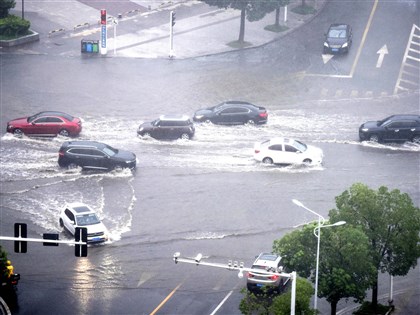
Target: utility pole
172,19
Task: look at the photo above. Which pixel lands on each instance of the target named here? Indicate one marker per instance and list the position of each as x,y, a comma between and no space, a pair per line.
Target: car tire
18,132
307,161
250,122
146,135
72,166
416,139
185,136
207,121
64,133
118,168
267,160
61,223
374,138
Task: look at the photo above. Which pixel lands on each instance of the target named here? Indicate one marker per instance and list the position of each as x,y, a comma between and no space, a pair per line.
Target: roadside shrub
13,26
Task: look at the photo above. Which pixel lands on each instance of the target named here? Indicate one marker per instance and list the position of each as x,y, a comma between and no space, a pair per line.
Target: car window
164,123
69,214
276,147
87,219
337,33
300,146
395,124
54,120
95,152
289,148
40,120
78,151
110,151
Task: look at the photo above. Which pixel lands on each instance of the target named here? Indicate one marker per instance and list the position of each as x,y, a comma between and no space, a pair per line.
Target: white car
266,262
287,151
80,215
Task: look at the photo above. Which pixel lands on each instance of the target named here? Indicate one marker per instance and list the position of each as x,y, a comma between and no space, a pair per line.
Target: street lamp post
321,221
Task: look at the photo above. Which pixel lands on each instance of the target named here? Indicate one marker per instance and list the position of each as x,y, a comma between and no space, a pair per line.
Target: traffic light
80,234
21,231
103,17
173,18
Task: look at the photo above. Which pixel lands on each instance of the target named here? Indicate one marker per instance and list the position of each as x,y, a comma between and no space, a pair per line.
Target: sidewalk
196,32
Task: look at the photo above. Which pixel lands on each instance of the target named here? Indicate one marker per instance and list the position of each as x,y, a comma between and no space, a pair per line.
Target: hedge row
13,26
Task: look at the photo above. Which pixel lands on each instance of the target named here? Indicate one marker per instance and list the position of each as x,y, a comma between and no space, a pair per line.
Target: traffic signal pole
235,266
171,33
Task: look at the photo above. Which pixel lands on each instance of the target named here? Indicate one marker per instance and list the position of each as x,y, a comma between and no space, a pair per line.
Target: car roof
54,113
174,117
407,116
339,26
279,140
79,207
267,259
84,143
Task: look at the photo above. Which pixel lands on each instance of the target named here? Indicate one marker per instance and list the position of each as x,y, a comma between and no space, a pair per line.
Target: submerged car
258,280
94,155
168,128
395,128
46,124
80,215
338,39
287,151
232,113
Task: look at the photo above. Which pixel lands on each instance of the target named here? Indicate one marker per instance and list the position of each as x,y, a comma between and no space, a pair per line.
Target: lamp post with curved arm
321,221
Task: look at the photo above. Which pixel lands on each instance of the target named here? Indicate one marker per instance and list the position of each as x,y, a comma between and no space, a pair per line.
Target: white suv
80,215
266,262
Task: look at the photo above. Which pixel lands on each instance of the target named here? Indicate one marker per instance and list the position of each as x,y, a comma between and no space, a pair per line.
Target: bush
13,26
5,6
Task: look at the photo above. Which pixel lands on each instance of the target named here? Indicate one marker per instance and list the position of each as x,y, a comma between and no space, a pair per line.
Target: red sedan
46,124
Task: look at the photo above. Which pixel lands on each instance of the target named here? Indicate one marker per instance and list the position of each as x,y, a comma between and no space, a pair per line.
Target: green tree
343,270
5,6
391,223
252,10
3,259
276,5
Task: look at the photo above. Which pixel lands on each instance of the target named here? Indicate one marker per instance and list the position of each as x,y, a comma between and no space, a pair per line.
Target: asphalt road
206,195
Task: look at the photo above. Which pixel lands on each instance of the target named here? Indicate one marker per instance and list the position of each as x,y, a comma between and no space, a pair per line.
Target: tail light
250,275
274,277
61,153
263,114
256,151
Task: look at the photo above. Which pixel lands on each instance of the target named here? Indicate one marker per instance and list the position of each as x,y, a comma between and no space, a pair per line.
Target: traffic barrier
60,30
84,25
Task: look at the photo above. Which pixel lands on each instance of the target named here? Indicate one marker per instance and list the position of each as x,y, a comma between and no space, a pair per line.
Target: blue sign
103,36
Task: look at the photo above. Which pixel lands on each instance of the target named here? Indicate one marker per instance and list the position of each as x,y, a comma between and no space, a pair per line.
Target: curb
21,40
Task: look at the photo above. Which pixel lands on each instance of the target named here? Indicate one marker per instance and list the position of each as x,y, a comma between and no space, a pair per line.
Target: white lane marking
221,303
382,52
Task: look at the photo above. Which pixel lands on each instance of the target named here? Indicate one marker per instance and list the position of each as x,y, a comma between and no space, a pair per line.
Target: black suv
338,39
168,127
393,128
94,155
232,113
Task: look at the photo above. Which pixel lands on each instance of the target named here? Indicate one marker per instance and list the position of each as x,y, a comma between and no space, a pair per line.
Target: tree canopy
391,223
5,6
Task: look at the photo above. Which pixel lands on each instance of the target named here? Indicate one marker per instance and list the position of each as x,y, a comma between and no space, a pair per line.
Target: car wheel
146,135
267,160
185,136
307,161
72,166
118,168
207,121
374,138
250,122
61,222
64,133
416,139
18,132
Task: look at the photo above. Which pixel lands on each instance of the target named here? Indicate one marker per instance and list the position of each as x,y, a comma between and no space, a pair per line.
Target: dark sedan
395,128
47,124
338,39
232,113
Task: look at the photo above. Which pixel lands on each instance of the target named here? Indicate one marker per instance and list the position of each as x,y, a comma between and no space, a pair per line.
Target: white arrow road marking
326,58
145,276
382,52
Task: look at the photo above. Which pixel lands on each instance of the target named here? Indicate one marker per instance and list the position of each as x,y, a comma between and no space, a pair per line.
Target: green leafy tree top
5,6
390,221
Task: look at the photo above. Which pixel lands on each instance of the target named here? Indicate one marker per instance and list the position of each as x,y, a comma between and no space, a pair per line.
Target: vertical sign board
103,32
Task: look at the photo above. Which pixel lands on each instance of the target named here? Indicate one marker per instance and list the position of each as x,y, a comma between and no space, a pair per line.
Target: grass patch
304,10
367,309
239,44
276,28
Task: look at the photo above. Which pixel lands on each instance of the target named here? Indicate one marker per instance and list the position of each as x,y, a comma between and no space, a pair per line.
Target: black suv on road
394,128
168,128
94,155
232,113
338,39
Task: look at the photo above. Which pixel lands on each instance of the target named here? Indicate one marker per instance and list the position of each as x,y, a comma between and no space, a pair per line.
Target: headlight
365,129
326,44
199,116
141,128
345,45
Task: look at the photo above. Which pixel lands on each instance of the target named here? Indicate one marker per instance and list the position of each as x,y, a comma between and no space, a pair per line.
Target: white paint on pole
285,13
115,23
382,52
